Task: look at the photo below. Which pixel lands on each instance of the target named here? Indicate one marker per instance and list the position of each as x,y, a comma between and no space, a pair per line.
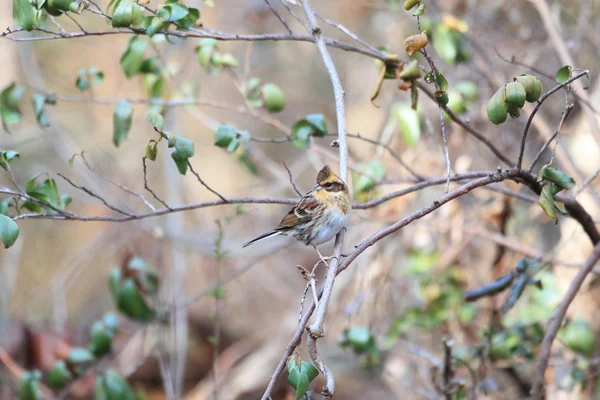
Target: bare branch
564,117
204,183
279,16
148,187
292,180
88,191
537,390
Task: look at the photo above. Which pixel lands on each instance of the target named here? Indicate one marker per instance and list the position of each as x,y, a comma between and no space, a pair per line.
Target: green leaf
79,355
131,302
300,374
184,149
110,385
172,12
4,205
312,125
547,203
410,71
358,337
39,101
373,169
59,375
24,14
420,11
9,231
558,177
563,74
444,44
126,13
64,5
7,156
409,4
156,120
441,97
468,89
133,58
205,52
408,123
152,150
10,99
101,339
28,388
438,78
122,119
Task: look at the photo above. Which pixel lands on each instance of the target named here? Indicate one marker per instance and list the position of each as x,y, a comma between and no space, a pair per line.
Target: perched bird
319,215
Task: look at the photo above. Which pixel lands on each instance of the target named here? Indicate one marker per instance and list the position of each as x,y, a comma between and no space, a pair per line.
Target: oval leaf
122,119
9,231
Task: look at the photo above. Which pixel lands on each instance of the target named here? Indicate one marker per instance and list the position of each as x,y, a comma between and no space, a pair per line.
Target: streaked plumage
319,215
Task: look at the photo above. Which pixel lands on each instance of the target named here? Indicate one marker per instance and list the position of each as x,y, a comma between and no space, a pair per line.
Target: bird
319,215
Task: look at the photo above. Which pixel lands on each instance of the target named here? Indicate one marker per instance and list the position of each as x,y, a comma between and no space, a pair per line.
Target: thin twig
537,390
204,183
148,187
279,16
564,117
117,184
88,191
588,181
537,107
292,180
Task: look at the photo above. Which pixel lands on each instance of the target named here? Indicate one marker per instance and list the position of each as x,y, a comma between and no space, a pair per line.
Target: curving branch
537,390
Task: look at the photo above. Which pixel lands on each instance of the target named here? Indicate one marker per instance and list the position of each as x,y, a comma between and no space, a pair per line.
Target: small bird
319,215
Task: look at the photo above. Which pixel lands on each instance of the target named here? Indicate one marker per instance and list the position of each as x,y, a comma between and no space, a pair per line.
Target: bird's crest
325,174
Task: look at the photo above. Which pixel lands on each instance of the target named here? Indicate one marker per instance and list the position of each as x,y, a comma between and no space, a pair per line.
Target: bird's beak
317,187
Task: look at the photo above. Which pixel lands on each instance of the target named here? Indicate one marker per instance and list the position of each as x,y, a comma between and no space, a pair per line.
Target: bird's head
329,184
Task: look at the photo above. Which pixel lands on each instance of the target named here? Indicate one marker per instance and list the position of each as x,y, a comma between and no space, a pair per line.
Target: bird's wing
302,212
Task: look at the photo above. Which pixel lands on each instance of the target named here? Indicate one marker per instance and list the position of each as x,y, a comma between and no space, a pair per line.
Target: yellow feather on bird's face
331,190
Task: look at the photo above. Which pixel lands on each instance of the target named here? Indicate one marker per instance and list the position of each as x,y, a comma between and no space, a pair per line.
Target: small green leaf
184,149
563,74
59,375
409,4
9,231
152,150
4,205
24,14
101,339
7,156
468,89
28,388
373,170
122,120
420,11
131,302
437,77
125,14
547,203
224,135
441,97
408,122
79,355
10,110
156,120
444,44
133,58
110,385
358,337
410,71
558,177
39,101
300,375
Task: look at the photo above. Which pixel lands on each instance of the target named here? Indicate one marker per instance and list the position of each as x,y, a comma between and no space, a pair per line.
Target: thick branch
537,390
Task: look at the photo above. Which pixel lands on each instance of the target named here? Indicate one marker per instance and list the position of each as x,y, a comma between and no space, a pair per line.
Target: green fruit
59,375
514,94
497,109
533,87
273,97
101,340
579,337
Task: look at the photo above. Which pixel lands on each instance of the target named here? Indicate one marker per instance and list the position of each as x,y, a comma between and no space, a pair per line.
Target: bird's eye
328,184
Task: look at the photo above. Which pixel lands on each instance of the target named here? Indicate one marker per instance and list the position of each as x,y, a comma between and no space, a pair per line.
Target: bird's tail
263,236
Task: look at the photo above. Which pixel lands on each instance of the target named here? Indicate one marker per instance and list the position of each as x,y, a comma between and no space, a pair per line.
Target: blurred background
393,307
